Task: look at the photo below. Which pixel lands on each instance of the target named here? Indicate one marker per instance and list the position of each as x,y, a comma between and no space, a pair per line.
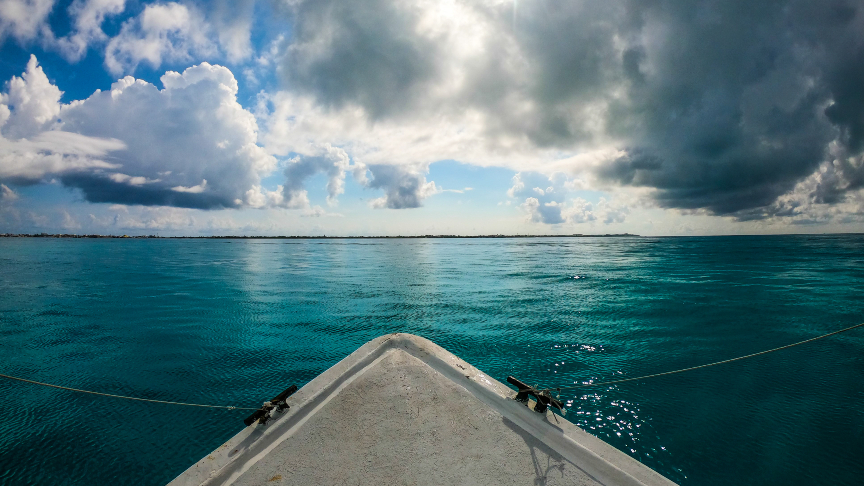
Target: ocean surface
235,321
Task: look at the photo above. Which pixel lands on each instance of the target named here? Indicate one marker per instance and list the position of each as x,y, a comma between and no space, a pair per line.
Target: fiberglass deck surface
402,422
401,410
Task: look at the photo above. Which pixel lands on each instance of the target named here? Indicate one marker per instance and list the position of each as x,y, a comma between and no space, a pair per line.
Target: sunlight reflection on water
215,321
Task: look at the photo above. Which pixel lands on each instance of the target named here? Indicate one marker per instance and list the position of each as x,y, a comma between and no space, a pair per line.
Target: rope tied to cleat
543,397
277,404
525,390
261,415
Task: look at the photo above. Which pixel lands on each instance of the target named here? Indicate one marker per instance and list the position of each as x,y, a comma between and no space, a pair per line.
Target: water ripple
234,322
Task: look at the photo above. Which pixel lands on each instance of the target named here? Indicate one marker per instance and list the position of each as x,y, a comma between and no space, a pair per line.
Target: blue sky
431,117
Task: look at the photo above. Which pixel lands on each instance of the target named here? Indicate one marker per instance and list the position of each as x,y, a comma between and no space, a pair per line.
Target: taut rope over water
227,407
585,385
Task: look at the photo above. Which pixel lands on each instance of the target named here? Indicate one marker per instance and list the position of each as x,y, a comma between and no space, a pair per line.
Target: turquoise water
236,321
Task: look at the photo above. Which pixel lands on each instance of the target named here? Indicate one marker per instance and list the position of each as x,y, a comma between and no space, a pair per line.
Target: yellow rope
228,407
706,365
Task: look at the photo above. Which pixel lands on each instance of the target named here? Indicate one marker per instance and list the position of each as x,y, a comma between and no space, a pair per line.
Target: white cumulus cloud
173,32
554,204
162,32
35,100
31,146
189,144
24,19
88,16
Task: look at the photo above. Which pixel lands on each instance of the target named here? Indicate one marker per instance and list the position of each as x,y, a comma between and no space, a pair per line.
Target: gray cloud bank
403,188
750,109
718,105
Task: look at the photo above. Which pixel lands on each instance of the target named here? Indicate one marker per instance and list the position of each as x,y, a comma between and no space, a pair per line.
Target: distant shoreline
234,237
325,237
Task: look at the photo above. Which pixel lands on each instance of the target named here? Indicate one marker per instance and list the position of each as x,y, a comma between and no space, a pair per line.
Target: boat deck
402,410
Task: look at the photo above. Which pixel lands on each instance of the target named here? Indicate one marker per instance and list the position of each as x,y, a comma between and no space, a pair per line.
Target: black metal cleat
524,390
265,413
543,402
544,398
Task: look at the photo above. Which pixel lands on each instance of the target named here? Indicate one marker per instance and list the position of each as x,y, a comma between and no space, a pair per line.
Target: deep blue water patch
234,322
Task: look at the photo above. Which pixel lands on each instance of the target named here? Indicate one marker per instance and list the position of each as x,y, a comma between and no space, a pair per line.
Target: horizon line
428,236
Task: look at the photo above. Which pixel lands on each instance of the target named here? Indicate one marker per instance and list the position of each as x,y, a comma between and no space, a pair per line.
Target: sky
413,117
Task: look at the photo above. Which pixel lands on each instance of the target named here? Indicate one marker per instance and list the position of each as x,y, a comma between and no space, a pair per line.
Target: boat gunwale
595,457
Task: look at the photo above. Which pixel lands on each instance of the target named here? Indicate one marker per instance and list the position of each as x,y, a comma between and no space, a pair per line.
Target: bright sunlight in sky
389,117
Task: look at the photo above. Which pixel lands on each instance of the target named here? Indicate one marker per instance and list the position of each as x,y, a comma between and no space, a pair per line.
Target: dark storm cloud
363,52
103,190
845,84
732,114
719,105
572,61
843,175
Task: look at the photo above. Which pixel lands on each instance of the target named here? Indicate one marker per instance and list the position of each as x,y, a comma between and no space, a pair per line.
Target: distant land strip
244,237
